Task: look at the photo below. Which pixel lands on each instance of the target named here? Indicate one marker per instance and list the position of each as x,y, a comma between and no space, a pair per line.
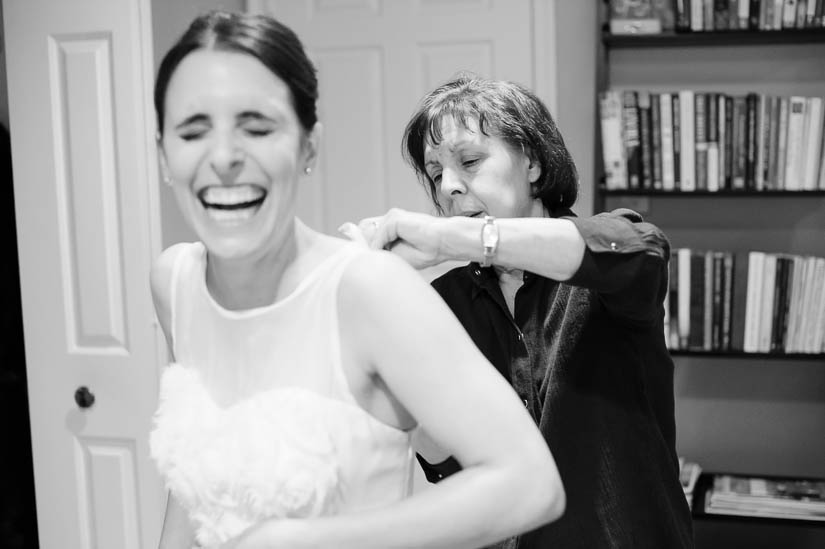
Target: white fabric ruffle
268,456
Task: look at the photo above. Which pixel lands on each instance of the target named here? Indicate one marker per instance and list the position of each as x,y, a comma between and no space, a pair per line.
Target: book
751,139
812,143
767,308
795,146
684,296
712,133
656,140
696,291
739,143
782,142
759,496
673,301
676,113
687,177
633,17
754,300
666,134
615,165
631,138
700,140
645,139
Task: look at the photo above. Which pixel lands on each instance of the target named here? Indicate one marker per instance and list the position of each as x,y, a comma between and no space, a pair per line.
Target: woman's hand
413,236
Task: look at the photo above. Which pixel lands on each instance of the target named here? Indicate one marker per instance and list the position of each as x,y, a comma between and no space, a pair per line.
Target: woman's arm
405,334
177,531
549,247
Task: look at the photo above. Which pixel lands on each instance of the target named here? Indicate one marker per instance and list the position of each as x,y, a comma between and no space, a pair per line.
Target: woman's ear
533,170
164,165
312,146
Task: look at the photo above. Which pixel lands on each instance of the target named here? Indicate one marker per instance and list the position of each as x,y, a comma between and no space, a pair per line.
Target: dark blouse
588,358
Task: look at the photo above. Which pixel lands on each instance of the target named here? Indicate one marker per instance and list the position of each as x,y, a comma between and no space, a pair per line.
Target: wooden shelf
717,38
723,193
742,354
698,508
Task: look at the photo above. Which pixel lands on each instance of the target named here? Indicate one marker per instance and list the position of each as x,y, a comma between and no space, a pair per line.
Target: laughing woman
302,362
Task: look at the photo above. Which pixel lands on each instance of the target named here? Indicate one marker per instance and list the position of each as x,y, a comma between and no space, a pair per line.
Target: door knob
84,397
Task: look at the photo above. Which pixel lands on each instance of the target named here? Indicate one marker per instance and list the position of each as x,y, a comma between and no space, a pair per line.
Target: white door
80,74
375,60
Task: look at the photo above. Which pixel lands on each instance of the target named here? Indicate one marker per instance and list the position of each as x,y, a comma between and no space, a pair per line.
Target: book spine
789,14
666,114
720,14
813,143
696,337
729,140
656,140
645,139
688,168
751,140
685,298
721,139
700,140
707,15
717,321
773,144
631,137
767,308
794,151
676,111
762,127
727,300
673,300
712,131
739,143
782,142
753,14
615,166
750,312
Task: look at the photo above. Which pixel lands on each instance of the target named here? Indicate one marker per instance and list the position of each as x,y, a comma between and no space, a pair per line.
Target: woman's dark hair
502,109
271,42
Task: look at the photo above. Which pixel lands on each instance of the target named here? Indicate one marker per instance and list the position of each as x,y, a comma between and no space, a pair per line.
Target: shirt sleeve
436,472
626,262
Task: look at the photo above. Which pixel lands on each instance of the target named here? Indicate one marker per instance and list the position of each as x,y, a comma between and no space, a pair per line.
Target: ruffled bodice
294,445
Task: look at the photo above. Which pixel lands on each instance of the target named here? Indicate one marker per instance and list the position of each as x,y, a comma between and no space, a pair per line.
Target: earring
307,170
167,179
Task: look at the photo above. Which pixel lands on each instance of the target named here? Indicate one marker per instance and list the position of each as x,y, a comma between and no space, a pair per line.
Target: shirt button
613,246
478,272
521,337
526,405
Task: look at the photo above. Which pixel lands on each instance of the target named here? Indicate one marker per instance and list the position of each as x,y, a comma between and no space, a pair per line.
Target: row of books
690,140
755,302
660,16
802,499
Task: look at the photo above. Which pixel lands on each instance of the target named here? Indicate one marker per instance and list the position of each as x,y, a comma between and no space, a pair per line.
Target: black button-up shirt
588,358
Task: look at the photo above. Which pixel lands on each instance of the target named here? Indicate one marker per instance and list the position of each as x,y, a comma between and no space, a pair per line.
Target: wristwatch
489,240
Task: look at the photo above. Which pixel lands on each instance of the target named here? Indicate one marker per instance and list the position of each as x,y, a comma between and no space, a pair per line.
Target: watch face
489,235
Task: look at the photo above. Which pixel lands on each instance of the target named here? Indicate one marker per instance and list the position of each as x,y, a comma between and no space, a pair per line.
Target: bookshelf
751,413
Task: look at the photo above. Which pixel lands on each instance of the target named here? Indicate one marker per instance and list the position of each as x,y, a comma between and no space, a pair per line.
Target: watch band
489,240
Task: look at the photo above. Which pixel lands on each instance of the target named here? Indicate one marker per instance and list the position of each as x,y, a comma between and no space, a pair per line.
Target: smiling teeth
229,196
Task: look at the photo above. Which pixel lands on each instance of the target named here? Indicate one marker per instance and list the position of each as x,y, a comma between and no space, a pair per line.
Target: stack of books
764,497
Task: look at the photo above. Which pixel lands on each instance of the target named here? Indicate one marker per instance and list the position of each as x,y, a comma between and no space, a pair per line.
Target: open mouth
232,204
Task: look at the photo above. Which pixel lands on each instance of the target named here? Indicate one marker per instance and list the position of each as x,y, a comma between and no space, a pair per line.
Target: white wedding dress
256,419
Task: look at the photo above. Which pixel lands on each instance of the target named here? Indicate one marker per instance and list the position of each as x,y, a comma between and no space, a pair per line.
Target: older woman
568,309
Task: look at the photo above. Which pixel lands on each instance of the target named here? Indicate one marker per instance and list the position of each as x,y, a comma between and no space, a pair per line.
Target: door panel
85,196
375,60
